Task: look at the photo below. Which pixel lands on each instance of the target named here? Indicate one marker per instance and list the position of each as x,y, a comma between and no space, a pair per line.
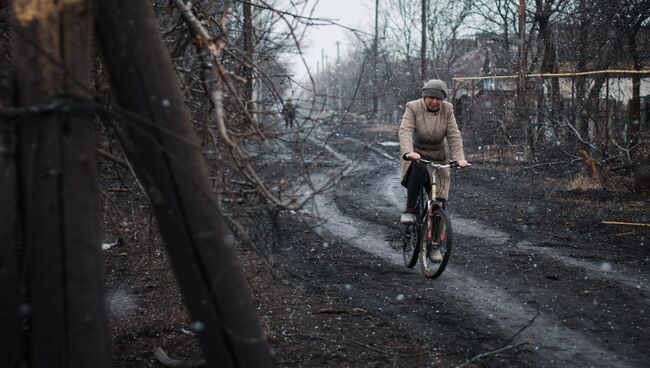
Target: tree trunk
64,266
248,49
11,330
636,111
159,140
593,106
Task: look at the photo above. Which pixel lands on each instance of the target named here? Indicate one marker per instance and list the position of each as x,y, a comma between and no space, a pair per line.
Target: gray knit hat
434,88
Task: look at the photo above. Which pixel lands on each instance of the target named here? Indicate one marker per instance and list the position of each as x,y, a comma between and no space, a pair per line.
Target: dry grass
584,183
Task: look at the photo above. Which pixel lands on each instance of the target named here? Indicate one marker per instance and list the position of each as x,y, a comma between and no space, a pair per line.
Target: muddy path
531,264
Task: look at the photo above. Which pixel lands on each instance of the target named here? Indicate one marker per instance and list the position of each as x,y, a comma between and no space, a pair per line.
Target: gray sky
351,13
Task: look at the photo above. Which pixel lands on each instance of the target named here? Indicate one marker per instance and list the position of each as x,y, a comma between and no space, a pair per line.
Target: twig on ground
113,158
493,352
388,352
624,223
506,347
332,311
524,326
550,164
165,360
627,233
383,351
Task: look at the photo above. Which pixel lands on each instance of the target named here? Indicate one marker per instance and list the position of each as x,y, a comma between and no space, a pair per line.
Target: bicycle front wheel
436,242
410,245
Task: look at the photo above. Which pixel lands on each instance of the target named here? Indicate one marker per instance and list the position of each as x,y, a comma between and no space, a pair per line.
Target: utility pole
375,82
520,102
423,50
338,76
521,73
324,74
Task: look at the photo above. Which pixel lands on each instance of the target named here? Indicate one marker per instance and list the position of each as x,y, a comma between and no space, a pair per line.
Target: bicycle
431,231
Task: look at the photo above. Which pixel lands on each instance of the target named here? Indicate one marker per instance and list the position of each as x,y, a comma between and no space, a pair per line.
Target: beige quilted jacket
434,135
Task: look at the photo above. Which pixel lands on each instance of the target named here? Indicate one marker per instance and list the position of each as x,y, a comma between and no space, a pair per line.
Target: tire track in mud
546,334
552,342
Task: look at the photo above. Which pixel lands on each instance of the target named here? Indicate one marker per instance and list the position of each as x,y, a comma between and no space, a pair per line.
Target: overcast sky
356,14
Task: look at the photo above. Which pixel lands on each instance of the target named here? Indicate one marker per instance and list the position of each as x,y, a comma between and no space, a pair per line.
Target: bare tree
543,12
630,23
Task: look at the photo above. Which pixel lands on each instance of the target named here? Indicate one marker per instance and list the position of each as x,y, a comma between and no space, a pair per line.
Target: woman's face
433,103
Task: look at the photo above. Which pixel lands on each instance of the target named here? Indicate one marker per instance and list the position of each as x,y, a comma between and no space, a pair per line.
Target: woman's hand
462,163
414,156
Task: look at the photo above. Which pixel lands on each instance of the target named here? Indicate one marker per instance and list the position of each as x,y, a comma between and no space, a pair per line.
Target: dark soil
572,290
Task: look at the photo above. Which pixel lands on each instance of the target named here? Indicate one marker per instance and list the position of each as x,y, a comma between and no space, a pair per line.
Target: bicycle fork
429,232
430,207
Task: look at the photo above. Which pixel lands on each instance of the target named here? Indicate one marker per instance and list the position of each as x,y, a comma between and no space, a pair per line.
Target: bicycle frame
431,231
431,203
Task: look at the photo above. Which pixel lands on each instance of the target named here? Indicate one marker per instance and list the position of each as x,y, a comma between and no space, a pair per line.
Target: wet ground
533,272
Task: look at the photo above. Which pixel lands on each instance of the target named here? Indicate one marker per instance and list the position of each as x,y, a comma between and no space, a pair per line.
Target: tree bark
64,266
11,331
636,92
159,141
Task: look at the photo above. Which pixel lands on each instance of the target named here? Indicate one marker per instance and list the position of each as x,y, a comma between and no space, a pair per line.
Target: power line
549,75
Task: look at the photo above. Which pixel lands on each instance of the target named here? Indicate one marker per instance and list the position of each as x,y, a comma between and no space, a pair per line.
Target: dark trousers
418,176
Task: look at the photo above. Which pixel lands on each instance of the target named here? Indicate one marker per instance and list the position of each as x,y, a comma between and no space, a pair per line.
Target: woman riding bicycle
427,128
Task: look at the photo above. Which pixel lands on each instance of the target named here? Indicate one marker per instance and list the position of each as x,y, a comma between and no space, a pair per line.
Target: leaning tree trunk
159,141
58,191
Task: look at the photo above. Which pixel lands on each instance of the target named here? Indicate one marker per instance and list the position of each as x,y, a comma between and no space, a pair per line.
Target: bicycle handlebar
441,166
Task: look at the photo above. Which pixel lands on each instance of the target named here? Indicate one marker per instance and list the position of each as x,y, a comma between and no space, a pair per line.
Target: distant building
487,54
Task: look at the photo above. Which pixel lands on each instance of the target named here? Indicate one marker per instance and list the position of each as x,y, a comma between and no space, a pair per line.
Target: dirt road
531,265
533,270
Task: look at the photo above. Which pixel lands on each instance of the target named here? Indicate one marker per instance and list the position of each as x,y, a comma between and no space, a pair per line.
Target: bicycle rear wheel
436,242
410,245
